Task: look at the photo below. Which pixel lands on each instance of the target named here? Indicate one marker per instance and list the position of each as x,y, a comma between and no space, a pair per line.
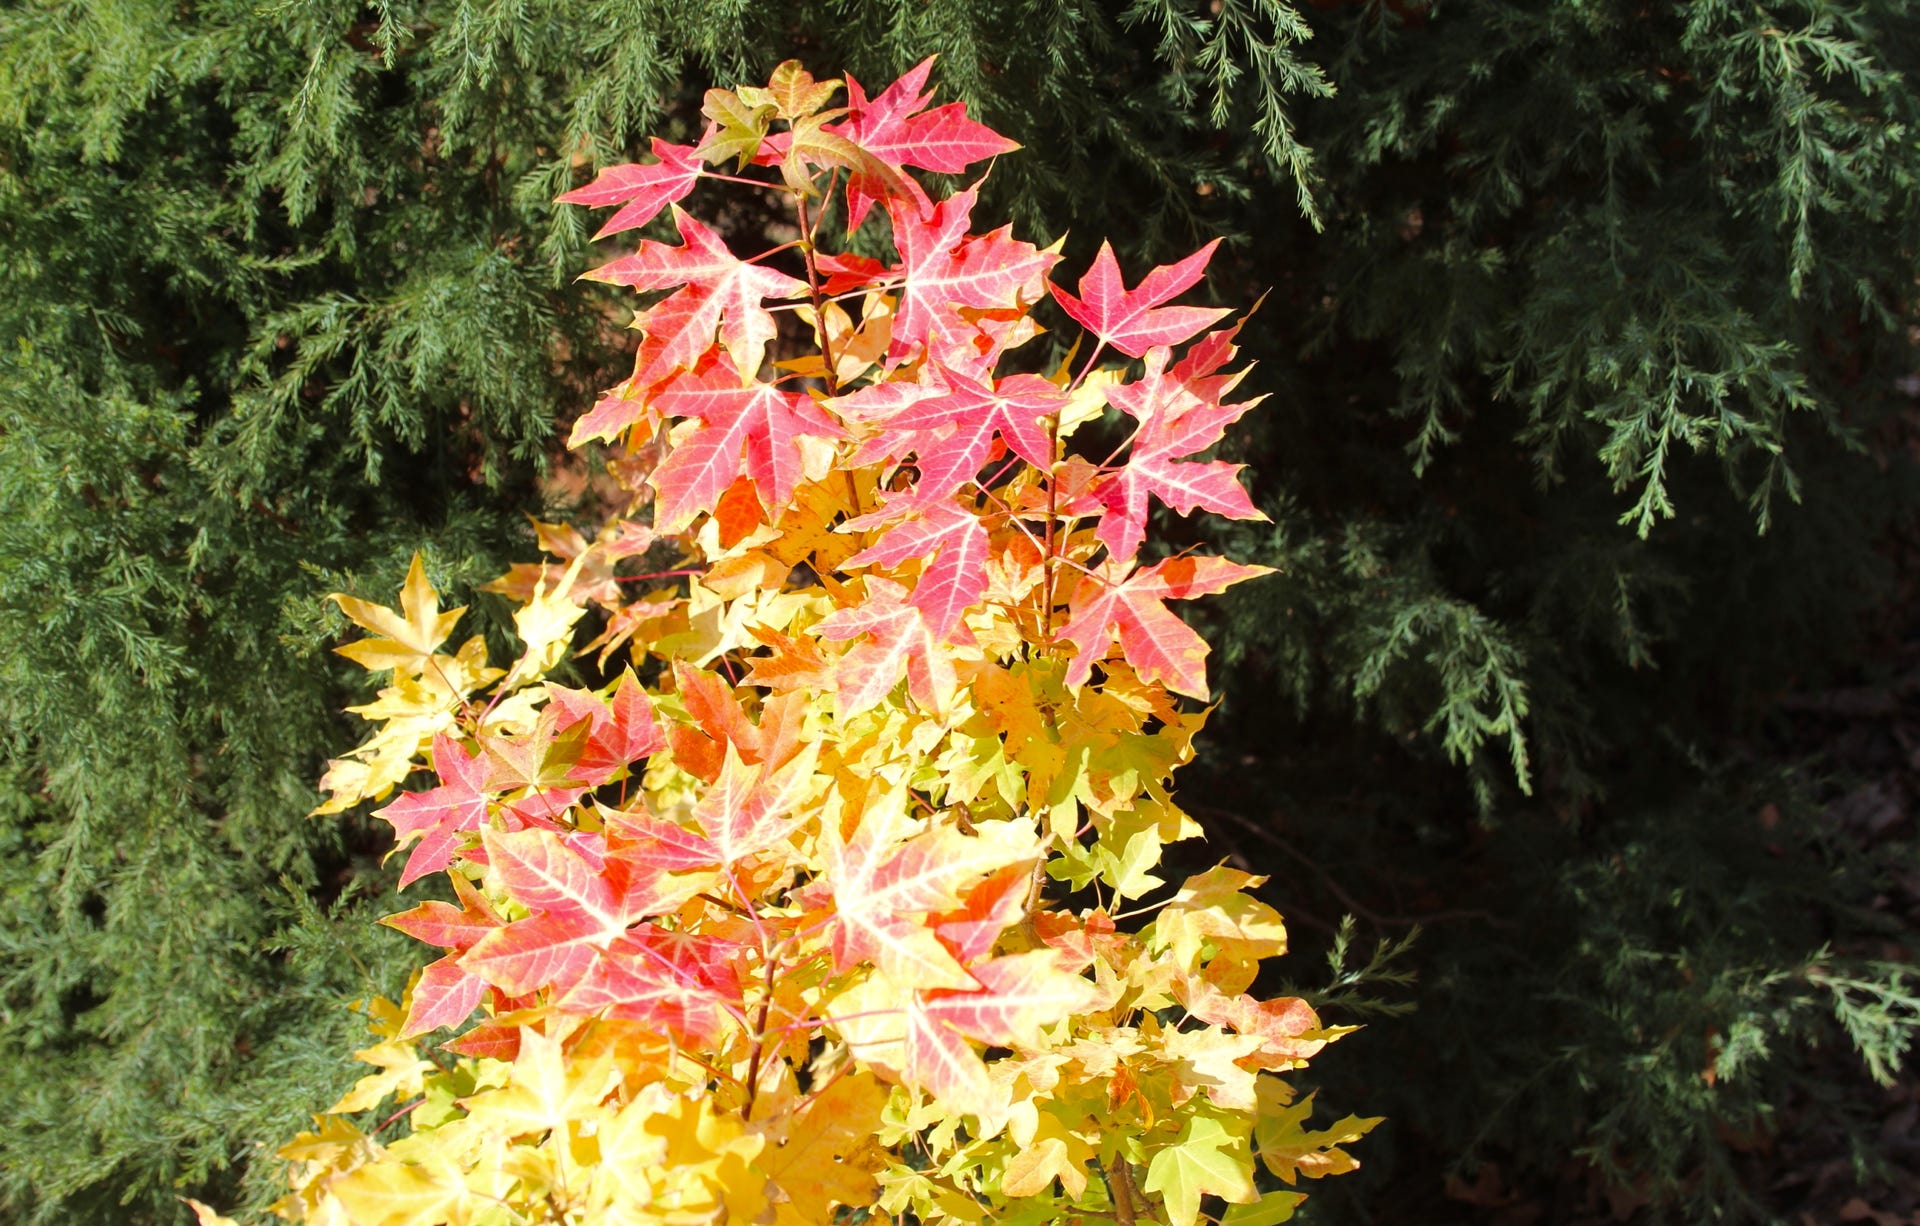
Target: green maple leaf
1269,1210
739,126
1207,1159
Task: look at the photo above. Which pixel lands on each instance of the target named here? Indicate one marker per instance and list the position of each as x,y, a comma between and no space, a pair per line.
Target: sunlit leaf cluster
842,893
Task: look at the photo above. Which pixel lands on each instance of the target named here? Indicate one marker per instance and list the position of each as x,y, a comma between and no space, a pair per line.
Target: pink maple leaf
1174,422
1132,320
446,993
714,289
1158,645
578,910
643,189
682,982
893,128
948,421
439,817
952,544
620,732
945,269
900,642
750,428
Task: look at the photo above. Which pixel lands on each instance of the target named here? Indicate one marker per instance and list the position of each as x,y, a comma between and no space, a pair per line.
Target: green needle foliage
1586,327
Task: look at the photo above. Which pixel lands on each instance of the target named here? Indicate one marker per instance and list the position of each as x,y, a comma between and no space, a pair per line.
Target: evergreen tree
1589,453
1586,329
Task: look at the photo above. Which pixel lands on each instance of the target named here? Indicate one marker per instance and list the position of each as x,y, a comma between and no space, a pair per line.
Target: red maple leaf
950,542
441,923
1158,645
714,289
682,982
446,993
578,909
439,817
899,643
718,721
644,189
944,270
1128,319
620,732
893,128
656,844
750,428
948,422
989,909
1174,422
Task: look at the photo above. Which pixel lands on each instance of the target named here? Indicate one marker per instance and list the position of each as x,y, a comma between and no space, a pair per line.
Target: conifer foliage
821,903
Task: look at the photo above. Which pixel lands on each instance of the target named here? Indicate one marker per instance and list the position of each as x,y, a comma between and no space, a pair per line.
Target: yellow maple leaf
402,1073
1288,1149
1054,1152
406,640
827,1155
544,1090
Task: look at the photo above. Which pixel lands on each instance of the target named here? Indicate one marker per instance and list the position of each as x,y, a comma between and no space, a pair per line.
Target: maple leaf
1286,1148
1158,645
900,642
1054,1150
951,545
677,981
621,729
443,924
594,582
829,1156
1288,1030
1270,1210
401,1071
578,911
990,908
405,643
439,817
446,994
654,843
753,428
892,127
949,422
1213,908
1019,994
890,879
794,92
795,663
541,759
748,810
737,126
641,190
944,269
1132,320
888,1028
545,1091
1174,422
1207,1158
714,289
397,1194
1209,1059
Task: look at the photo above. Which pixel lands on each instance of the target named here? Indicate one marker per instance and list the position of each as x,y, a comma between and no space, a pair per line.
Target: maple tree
820,903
